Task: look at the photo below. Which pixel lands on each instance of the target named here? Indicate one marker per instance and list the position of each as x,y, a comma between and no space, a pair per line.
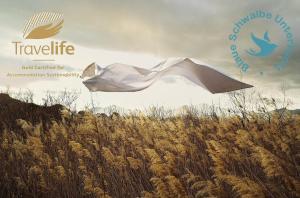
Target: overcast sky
144,33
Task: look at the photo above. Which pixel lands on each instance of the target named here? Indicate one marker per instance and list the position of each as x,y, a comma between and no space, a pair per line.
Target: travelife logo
37,31
43,25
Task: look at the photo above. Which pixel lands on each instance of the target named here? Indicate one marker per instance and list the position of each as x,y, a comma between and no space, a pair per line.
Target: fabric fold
127,78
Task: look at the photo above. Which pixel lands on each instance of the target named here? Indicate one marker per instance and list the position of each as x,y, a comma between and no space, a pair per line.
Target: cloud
162,28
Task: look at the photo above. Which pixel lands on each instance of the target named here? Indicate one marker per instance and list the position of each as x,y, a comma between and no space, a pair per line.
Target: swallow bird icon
265,45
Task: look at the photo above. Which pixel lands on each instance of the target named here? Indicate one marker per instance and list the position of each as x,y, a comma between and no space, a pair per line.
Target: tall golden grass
148,156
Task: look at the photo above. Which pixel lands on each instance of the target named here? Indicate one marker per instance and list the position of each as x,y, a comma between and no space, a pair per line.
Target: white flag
127,78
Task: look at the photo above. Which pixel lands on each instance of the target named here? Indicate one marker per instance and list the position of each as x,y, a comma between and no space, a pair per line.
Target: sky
144,33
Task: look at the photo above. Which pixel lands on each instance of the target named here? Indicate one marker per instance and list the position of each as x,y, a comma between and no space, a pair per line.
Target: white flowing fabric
126,78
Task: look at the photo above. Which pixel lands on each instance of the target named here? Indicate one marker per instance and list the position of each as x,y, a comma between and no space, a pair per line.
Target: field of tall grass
192,154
